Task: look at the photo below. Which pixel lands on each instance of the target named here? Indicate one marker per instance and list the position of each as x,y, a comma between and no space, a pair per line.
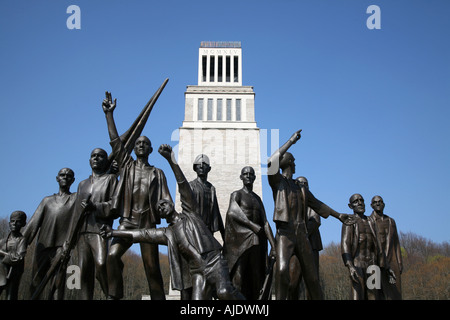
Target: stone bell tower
220,122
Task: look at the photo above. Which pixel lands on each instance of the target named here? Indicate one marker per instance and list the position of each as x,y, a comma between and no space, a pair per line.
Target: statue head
17,220
287,161
143,147
302,181
377,204
356,203
248,175
202,165
166,209
65,178
99,160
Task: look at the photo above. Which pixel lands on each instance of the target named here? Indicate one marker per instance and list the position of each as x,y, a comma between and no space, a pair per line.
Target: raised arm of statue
188,201
274,161
166,151
108,108
129,137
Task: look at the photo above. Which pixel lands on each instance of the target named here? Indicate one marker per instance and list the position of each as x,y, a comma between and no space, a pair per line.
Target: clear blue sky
373,104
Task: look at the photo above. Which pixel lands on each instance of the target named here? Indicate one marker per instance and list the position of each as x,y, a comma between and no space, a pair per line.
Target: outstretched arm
150,235
325,211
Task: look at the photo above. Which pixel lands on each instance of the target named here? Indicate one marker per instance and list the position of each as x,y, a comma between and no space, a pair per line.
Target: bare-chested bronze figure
359,250
246,233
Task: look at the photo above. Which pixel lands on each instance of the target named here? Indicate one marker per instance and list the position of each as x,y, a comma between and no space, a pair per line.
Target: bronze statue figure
246,233
94,200
313,223
51,223
390,256
191,245
289,217
13,249
205,193
359,250
140,187
208,208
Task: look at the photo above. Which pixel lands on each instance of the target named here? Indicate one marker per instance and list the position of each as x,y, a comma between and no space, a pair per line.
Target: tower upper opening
220,63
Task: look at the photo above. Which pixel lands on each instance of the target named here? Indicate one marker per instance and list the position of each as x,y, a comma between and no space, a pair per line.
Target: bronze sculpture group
136,193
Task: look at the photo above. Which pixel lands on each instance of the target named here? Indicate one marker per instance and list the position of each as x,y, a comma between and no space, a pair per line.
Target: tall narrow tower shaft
220,122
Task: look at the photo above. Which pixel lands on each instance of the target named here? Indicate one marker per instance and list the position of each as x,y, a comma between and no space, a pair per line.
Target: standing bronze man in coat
94,197
51,223
390,255
140,188
313,222
289,216
205,193
207,205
